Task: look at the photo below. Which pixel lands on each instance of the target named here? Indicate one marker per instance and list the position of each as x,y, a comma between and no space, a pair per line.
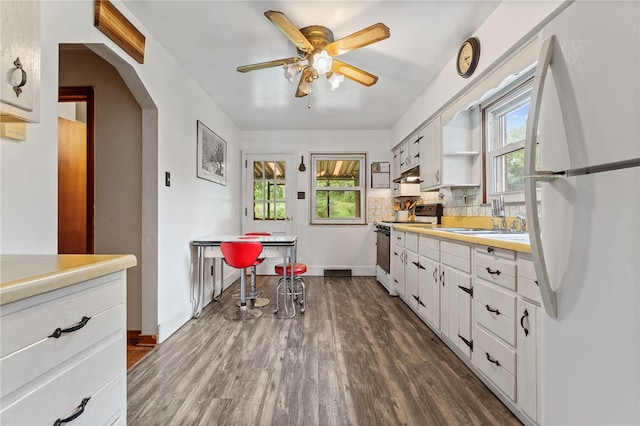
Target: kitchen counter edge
27,275
474,239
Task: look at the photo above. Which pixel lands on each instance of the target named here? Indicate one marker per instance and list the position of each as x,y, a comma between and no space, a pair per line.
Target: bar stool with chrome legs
254,295
287,289
241,255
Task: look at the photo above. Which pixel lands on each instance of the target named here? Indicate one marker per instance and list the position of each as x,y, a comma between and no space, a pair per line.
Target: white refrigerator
587,241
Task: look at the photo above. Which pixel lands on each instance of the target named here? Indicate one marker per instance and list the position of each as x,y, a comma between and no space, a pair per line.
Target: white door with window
269,188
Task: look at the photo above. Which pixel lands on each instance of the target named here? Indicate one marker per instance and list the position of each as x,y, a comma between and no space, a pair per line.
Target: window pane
258,191
269,168
344,173
338,204
281,213
258,167
258,211
509,172
516,124
280,170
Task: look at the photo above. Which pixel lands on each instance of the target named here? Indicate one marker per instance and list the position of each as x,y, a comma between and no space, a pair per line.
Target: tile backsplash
455,201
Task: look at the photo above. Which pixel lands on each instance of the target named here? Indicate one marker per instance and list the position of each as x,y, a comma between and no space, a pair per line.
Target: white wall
508,28
322,246
190,208
118,151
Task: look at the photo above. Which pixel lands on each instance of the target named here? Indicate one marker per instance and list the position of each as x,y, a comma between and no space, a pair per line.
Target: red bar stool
286,289
241,255
253,295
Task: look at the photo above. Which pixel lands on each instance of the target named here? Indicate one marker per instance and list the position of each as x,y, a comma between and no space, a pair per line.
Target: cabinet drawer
496,360
23,326
456,255
495,252
430,247
411,242
49,353
501,323
398,239
496,270
57,396
527,285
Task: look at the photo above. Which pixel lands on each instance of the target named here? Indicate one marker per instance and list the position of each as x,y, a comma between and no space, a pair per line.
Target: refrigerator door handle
532,176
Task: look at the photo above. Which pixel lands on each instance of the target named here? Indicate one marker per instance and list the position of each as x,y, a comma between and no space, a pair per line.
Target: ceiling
211,38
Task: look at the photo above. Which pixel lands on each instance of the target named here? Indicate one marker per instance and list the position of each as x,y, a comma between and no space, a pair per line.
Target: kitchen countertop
433,230
27,275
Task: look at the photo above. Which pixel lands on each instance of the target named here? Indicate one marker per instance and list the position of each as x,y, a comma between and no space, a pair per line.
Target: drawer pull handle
496,272
491,360
18,77
495,311
469,291
59,331
442,277
526,315
435,274
489,249
78,411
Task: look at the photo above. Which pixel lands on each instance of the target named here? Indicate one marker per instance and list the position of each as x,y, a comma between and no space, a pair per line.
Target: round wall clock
468,57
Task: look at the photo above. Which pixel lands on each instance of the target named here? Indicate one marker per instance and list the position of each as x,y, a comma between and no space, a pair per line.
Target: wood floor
356,357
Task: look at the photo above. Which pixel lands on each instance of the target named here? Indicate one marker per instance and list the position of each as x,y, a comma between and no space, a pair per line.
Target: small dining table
208,247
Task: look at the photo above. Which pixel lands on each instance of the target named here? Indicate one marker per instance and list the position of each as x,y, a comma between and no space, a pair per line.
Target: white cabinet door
396,163
458,307
398,261
20,60
527,371
411,278
429,290
431,155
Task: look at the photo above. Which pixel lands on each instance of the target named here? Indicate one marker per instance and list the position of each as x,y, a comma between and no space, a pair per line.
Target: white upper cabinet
431,158
451,151
20,61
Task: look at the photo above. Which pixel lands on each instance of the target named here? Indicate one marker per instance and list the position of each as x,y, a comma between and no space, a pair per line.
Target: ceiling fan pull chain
309,101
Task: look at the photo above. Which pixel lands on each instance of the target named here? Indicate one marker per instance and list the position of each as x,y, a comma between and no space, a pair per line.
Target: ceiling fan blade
288,28
364,37
353,73
306,77
268,64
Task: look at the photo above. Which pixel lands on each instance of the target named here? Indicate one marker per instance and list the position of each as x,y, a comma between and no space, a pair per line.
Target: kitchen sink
497,234
478,231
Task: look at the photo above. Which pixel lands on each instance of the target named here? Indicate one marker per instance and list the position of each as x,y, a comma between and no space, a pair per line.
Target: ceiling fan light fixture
335,80
322,62
291,70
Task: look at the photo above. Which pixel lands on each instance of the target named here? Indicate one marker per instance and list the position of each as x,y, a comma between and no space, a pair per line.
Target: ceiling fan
317,51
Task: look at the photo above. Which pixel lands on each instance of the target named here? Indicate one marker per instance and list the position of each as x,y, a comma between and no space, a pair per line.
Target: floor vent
337,272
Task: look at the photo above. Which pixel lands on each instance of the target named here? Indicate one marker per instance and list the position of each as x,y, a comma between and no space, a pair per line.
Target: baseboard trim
134,337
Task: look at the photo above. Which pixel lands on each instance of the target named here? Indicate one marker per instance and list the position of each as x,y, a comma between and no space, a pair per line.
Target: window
338,189
505,121
269,190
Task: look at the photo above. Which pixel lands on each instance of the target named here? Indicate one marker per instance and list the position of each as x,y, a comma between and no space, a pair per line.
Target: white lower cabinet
398,262
64,354
455,294
484,302
528,336
429,280
411,270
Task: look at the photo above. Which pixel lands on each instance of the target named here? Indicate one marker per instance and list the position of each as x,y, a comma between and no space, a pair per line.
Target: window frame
505,101
362,188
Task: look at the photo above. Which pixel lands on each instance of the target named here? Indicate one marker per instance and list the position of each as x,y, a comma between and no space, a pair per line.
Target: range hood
410,176
408,184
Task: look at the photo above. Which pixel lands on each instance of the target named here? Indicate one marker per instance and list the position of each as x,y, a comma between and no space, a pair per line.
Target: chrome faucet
523,223
497,210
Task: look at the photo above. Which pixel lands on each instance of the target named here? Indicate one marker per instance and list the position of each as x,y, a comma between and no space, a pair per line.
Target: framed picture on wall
212,155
